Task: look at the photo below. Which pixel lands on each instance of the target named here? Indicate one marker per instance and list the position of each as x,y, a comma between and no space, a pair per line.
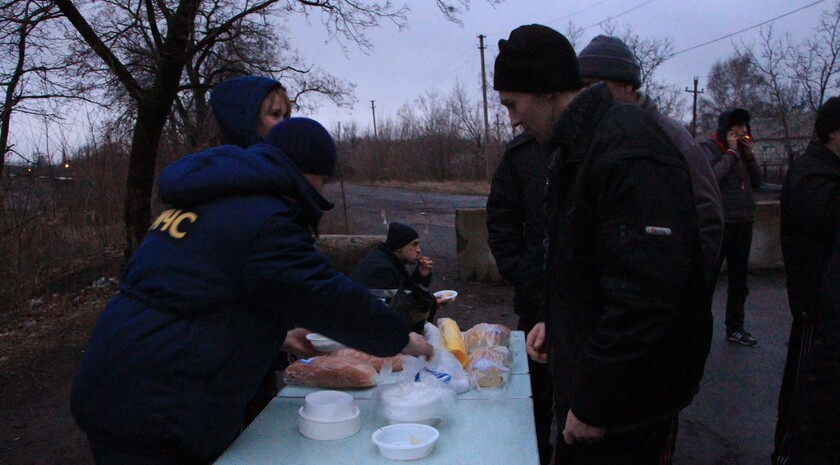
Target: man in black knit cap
626,332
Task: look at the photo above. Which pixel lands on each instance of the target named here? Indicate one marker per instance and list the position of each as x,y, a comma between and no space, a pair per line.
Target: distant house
769,143
32,188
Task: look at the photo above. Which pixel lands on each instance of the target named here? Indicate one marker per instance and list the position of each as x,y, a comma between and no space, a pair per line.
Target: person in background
609,60
246,108
729,152
810,207
384,269
627,331
222,279
516,231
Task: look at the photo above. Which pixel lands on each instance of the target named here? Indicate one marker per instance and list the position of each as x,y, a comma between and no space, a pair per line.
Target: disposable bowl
322,430
405,441
447,295
328,405
323,343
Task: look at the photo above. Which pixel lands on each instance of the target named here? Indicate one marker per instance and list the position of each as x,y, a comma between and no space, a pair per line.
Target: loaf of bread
332,372
489,367
486,335
377,362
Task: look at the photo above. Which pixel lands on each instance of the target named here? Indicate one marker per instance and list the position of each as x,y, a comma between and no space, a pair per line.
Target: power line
746,29
621,14
578,11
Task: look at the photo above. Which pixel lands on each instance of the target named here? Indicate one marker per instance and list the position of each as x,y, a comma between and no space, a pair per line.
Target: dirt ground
41,345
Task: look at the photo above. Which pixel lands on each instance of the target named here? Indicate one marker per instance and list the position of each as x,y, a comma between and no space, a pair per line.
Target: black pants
737,239
799,347
543,397
649,445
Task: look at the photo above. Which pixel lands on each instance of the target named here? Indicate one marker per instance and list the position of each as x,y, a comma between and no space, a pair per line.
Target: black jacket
810,205
516,222
380,269
629,333
737,176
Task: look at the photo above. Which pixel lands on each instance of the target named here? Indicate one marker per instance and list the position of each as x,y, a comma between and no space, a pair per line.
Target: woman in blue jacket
213,291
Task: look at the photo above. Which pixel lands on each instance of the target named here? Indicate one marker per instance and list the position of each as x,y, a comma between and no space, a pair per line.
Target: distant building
33,188
769,143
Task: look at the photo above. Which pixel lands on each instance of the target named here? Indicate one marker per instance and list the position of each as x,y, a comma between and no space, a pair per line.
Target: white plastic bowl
323,343
327,430
329,405
446,296
405,441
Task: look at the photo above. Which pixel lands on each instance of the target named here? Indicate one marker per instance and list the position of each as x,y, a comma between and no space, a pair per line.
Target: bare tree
815,64
732,83
145,45
31,77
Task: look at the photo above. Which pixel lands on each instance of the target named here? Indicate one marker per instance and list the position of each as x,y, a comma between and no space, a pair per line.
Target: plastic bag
489,367
424,401
486,335
444,361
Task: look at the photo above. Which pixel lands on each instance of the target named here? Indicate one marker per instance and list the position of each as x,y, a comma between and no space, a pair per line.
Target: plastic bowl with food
323,343
405,441
446,296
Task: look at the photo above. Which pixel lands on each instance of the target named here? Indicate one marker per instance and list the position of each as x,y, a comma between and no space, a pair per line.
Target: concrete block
475,261
345,251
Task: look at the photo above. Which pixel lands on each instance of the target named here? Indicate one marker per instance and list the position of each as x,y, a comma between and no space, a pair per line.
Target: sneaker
742,337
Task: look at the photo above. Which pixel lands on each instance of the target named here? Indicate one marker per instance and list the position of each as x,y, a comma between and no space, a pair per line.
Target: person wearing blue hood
222,279
246,108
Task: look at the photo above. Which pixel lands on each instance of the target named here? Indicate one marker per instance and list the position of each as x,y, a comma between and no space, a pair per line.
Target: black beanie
730,118
307,143
538,60
828,119
610,58
400,235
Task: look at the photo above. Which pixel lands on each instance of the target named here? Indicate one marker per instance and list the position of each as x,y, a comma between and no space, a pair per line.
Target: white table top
476,432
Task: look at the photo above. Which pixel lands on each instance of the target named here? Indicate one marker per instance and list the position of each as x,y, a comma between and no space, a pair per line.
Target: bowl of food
405,441
323,343
445,296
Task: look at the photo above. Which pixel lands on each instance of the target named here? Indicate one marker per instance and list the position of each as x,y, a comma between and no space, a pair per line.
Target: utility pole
341,181
375,143
694,107
481,47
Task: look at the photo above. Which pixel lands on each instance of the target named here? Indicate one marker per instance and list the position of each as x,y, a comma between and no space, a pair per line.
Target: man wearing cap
729,152
223,278
626,333
609,60
810,207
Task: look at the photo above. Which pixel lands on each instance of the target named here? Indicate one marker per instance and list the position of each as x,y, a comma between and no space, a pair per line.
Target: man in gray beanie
609,60
626,331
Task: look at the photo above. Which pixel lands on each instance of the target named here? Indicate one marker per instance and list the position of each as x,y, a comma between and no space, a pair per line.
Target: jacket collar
573,131
824,156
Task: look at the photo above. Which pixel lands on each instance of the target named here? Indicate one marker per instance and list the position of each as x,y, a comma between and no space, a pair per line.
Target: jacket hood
236,105
229,170
730,118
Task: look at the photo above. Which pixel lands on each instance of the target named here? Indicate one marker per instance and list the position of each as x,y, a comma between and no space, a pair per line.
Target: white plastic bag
444,362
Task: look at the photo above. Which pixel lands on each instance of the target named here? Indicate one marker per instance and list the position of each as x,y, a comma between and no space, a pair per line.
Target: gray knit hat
610,58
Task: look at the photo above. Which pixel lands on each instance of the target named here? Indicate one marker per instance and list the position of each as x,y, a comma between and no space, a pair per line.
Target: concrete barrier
475,261
345,251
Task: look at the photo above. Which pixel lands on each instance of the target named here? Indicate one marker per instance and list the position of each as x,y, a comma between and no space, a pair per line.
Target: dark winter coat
810,206
380,269
707,198
207,299
629,332
516,223
737,175
815,418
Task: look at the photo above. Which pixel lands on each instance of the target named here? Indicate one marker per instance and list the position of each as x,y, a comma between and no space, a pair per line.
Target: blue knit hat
307,143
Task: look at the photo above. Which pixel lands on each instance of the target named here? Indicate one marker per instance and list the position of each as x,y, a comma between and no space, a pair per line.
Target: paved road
733,416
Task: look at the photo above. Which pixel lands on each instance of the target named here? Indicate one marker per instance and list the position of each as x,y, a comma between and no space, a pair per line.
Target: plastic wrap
424,401
486,335
444,361
333,372
395,362
489,367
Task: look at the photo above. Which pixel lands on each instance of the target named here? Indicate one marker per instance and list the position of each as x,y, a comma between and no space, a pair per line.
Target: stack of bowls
327,415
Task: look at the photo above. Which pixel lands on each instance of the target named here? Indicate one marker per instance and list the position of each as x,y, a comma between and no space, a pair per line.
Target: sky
433,53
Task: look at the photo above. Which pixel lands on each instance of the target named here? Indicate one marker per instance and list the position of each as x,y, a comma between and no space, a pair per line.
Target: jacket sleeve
722,163
505,222
644,248
287,276
423,280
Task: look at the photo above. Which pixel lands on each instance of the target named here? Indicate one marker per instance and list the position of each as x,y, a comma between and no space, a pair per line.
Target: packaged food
396,361
486,335
453,341
331,371
489,367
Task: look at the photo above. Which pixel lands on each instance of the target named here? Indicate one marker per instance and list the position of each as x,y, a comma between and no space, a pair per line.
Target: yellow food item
452,339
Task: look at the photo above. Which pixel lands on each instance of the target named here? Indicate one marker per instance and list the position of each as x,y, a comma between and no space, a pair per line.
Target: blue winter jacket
236,106
207,299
